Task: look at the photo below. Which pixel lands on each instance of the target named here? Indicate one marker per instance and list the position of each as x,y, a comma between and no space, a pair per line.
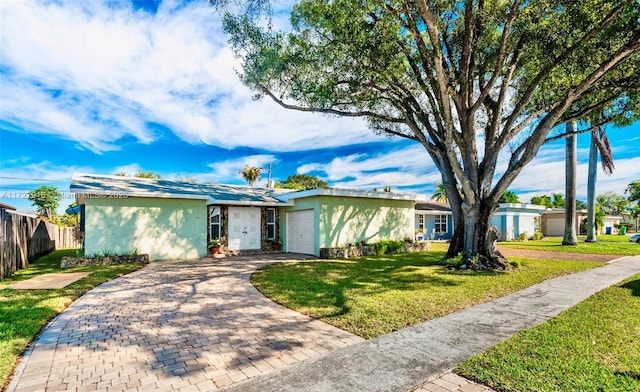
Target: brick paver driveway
182,325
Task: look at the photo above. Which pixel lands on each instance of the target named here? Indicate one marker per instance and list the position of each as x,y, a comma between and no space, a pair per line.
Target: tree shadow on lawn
634,285
323,285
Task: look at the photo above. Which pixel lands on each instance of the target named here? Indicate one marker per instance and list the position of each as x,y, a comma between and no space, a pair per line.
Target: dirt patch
541,254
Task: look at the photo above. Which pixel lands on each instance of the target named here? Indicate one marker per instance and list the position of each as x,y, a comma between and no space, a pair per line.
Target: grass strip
606,245
594,346
23,313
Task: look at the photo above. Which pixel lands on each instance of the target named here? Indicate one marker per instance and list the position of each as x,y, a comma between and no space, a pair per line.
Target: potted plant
276,244
214,246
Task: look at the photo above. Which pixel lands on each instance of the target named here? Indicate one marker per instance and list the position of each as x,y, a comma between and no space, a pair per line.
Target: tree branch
363,113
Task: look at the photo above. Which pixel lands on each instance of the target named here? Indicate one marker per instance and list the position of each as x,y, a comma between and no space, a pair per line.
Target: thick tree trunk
476,238
457,240
591,190
570,237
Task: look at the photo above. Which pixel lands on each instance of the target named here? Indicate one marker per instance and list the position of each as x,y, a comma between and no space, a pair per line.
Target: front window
271,223
421,223
441,223
215,223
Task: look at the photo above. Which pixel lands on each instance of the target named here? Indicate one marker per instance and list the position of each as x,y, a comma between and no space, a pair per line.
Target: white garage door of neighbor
300,233
244,228
555,227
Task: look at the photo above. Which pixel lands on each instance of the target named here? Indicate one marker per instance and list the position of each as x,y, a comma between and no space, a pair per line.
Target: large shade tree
482,85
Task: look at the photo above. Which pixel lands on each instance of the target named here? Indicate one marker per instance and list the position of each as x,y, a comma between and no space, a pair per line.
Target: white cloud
547,177
94,74
128,169
405,167
40,173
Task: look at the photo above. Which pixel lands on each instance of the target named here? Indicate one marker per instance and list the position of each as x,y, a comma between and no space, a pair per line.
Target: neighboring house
6,207
514,219
433,221
610,222
553,222
175,219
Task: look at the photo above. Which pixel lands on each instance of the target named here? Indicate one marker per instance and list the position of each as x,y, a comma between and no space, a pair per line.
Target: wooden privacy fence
23,238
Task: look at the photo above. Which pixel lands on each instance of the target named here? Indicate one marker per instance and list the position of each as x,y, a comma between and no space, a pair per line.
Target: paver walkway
183,326
404,360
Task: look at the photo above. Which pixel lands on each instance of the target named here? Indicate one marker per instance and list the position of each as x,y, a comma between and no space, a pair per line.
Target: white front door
244,228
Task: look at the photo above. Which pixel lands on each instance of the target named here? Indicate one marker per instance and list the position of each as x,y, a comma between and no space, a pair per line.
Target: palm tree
440,194
570,235
599,142
251,174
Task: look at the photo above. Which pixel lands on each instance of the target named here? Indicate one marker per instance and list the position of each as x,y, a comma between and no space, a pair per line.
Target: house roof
432,206
521,207
6,206
583,212
345,193
88,185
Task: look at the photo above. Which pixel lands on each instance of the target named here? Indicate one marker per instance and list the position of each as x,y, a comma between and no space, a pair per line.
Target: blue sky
104,87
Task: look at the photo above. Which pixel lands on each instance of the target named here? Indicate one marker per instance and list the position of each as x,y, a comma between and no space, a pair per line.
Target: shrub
388,247
537,236
583,226
522,236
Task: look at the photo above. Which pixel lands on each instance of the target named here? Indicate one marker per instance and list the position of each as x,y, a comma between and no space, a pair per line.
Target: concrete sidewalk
49,281
403,360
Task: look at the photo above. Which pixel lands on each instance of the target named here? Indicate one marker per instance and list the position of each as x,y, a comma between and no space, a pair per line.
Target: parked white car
635,238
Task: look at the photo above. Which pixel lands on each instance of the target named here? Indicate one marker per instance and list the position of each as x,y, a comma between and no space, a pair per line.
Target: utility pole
269,177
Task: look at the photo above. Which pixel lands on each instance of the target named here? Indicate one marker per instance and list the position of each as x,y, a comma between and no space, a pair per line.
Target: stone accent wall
267,245
68,262
418,246
224,232
354,252
349,252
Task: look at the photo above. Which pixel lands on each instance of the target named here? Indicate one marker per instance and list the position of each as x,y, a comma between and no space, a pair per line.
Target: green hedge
388,247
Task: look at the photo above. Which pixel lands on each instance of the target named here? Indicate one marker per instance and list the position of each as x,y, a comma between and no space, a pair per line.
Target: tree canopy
509,197
251,174
46,199
477,83
302,181
612,203
633,189
440,193
140,174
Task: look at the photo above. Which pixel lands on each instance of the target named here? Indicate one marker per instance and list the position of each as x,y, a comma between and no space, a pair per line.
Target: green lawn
376,295
606,245
24,312
594,346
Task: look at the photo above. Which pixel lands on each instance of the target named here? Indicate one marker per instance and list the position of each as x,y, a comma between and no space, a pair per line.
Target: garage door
300,233
555,227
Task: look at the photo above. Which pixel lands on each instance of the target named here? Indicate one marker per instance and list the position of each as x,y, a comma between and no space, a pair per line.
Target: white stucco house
514,219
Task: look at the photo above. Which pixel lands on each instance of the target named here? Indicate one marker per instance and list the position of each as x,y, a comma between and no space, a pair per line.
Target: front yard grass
23,313
594,346
606,245
377,295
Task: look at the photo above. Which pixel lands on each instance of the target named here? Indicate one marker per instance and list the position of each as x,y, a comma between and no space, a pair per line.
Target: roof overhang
249,203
